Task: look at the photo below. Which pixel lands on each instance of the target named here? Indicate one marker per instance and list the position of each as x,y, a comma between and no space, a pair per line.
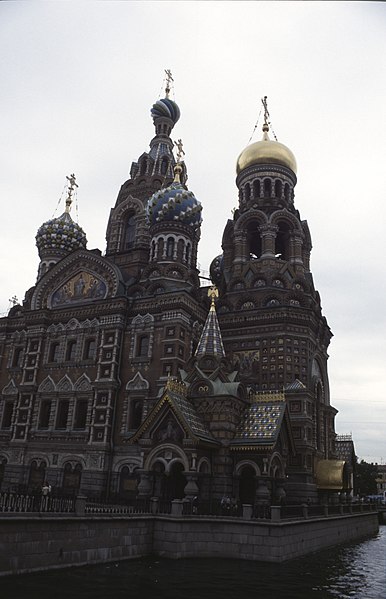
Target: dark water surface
355,571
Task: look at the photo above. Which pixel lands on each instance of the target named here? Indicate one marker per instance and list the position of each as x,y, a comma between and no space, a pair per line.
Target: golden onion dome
266,151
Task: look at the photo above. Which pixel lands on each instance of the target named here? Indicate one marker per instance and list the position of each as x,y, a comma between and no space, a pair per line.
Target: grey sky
77,83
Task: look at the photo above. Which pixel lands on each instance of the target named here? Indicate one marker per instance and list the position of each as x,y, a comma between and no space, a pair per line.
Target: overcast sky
77,83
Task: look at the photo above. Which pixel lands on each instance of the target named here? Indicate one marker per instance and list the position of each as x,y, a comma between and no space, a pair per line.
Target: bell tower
269,310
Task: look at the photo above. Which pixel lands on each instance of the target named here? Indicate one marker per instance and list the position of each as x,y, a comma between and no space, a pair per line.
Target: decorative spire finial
213,294
169,79
71,190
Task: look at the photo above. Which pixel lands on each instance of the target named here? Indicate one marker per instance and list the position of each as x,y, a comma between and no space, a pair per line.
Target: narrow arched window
71,350
62,414
282,242
187,254
90,349
135,417
130,232
256,188
267,188
170,248
253,240
54,352
143,346
247,192
7,414
278,189
81,414
164,166
45,413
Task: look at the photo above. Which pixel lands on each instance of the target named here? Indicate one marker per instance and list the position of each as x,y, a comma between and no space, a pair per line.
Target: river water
355,571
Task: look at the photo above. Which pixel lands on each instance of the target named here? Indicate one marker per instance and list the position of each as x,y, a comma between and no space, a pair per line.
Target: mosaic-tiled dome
216,269
165,108
60,234
174,203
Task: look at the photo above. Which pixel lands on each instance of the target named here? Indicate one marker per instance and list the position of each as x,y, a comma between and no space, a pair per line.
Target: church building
122,376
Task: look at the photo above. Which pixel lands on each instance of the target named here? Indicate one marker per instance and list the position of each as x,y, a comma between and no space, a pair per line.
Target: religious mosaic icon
81,287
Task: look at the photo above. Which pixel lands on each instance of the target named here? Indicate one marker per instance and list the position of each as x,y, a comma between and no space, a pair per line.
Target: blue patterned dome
60,234
165,108
174,203
216,269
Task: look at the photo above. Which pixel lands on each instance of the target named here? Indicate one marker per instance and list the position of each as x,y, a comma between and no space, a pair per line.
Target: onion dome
165,108
266,151
216,269
62,234
174,204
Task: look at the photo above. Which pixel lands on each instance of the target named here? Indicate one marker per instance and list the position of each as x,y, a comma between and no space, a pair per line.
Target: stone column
144,485
262,496
280,493
191,489
268,236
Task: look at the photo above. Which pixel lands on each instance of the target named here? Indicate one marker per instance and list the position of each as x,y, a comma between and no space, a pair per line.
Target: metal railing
15,502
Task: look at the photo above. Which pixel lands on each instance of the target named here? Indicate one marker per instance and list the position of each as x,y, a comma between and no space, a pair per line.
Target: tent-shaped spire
210,343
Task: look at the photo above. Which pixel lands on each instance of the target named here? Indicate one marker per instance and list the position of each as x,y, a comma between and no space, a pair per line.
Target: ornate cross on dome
266,113
169,79
180,151
71,190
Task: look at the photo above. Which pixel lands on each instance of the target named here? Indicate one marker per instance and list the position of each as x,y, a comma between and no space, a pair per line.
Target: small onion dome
60,234
216,269
266,151
174,203
165,108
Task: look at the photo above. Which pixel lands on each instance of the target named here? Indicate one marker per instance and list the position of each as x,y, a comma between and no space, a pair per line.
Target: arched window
247,192
187,254
170,248
247,485
253,240
130,232
7,415
62,414
256,188
282,242
135,416
267,188
45,413
287,191
17,357
71,350
278,189
80,414
71,478
89,349
180,249
37,475
143,346
54,352
164,165
152,253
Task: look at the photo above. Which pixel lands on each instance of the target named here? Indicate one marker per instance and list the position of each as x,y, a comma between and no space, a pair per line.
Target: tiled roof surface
261,422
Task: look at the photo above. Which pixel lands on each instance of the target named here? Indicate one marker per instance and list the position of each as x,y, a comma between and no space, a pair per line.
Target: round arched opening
247,485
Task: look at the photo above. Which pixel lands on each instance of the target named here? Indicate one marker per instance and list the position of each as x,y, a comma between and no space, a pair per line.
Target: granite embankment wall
44,542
